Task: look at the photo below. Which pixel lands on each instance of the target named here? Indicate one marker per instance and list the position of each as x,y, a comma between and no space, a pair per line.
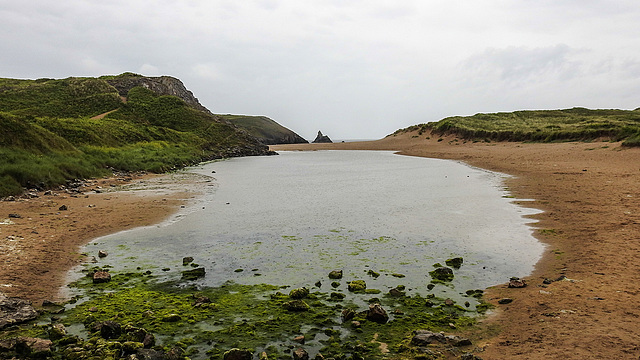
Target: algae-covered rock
299,293
15,311
373,274
57,332
101,277
442,273
335,296
377,314
108,329
171,318
335,284
357,285
296,305
187,260
237,354
335,274
455,263
193,274
300,354
130,347
348,314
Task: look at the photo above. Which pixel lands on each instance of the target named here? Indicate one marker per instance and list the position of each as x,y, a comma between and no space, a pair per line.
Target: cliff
265,129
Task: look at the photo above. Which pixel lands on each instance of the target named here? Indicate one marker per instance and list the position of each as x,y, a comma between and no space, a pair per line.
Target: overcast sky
355,69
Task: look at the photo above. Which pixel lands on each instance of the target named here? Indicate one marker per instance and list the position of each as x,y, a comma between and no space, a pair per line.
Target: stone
102,254
237,354
130,347
348,314
448,302
109,329
299,293
187,260
517,283
457,341
63,208
442,273
15,311
150,354
101,277
357,285
171,318
505,301
193,274
335,274
27,347
335,296
377,313
300,354
395,292
299,339
455,263
296,305
15,216
57,332
425,337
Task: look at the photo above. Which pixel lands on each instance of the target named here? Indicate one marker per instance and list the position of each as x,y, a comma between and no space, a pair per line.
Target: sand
591,224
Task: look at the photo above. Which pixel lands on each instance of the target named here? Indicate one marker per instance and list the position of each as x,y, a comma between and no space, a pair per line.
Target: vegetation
577,124
265,129
51,131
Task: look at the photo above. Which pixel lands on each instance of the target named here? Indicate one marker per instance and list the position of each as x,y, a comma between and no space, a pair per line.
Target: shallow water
292,218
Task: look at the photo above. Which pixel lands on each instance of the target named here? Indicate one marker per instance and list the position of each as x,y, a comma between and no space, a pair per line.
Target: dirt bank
590,193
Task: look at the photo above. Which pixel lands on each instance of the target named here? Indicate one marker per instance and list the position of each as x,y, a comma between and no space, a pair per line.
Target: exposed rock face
162,85
322,138
15,311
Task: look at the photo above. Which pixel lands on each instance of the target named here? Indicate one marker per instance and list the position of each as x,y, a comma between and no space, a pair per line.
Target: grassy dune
542,126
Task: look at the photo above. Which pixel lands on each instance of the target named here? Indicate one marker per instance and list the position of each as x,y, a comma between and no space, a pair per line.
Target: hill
265,129
576,124
55,130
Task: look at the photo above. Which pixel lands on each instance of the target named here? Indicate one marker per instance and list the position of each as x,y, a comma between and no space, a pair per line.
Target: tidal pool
291,219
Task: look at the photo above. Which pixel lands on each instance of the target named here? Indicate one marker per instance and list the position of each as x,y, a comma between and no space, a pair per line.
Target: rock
318,284
425,337
377,314
109,329
187,260
130,347
517,283
300,354
505,301
373,274
448,302
175,353
299,339
263,356
395,292
348,314
335,274
322,138
455,263
63,208
335,296
15,311
357,285
457,341
237,354
442,273
296,305
171,318
299,293
201,300
102,254
193,274
356,324
15,216
335,284
27,347
149,354
469,356
101,277
57,332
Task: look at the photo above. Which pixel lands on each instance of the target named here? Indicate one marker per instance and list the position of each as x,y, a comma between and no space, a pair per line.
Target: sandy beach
591,224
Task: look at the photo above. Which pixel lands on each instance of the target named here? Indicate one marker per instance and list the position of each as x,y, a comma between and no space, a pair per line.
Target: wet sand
590,194
589,191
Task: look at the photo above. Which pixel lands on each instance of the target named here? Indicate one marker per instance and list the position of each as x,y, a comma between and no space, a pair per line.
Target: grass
264,128
576,124
48,134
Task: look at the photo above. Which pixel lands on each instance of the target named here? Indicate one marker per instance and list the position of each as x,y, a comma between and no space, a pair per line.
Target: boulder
377,314
101,277
108,329
296,305
357,285
442,273
299,293
15,311
335,274
237,354
515,282
455,263
300,354
187,260
27,347
102,254
193,274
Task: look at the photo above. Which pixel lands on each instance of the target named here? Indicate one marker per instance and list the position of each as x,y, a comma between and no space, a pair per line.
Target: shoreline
588,193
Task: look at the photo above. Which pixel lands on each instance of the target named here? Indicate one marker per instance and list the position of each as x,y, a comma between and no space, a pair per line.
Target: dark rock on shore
193,274
237,354
15,311
377,314
426,337
321,138
442,273
517,283
335,274
101,277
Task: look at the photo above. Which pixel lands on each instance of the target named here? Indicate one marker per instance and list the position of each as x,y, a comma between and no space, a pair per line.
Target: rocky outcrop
265,129
15,311
322,138
161,85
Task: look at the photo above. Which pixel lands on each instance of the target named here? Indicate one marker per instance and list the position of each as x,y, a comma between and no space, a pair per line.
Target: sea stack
322,138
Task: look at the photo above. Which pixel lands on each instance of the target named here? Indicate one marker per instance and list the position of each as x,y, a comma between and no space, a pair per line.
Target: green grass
577,124
48,134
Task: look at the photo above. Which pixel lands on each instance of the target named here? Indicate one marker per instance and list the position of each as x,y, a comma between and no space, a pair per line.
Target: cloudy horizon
353,69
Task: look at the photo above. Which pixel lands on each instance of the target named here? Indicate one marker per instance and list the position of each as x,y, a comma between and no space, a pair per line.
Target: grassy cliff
577,124
55,130
265,129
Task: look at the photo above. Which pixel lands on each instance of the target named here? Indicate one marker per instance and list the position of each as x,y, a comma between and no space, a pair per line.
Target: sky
353,69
